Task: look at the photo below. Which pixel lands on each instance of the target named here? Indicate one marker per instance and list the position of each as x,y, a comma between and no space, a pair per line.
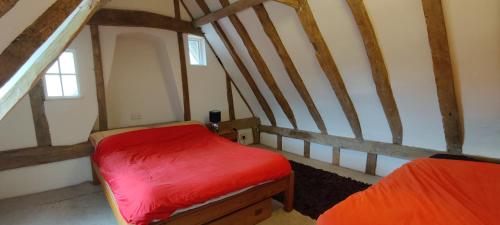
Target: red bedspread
156,171
426,191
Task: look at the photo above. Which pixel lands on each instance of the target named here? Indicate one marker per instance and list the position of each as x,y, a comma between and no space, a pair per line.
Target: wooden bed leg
288,202
95,179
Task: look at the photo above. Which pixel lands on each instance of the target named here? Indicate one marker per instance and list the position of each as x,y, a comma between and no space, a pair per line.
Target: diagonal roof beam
6,5
443,73
328,65
292,71
379,70
237,7
261,66
241,66
25,59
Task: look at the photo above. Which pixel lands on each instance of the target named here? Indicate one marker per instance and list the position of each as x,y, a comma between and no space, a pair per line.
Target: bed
184,174
425,191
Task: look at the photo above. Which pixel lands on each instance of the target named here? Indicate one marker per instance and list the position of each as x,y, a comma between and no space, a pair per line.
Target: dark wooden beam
336,155
371,163
307,149
379,69
253,122
294,75
328,65
241,66
133,18
230,101
291,3
226,11
279,142
261,66
6,5
182,56
99,77
18,52
443,72
12,159
37,100
388,149
74,14
229,77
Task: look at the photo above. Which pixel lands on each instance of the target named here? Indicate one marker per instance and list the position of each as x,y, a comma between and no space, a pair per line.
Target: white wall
71,121
401,30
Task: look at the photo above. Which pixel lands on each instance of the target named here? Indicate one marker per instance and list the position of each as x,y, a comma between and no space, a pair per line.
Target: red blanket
425,191
154,172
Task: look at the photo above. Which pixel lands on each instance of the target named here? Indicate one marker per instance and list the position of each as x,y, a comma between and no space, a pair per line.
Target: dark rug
317,190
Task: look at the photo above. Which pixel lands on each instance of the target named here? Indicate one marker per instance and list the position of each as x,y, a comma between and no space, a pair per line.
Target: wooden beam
226,11
12,159
292,3
22,66
379,69
443,72
133,18
229,77
261,66
336,155
292,71
241,66
253,122
328,65
6,5
230,101
19,51
99,77
279,142
37,101
371,163
307,149
182,56
388,149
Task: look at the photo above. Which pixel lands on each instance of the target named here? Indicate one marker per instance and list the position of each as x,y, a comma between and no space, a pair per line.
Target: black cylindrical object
215,116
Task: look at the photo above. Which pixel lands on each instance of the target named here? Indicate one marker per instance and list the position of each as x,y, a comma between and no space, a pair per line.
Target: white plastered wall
401,30
71,121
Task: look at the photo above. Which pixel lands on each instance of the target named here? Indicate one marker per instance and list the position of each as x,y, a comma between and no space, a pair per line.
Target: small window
197,53
61,79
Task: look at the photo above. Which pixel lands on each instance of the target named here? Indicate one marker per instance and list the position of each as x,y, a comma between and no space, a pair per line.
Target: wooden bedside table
229,133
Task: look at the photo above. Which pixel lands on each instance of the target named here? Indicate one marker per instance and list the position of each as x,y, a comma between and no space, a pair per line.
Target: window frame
203,50
77,75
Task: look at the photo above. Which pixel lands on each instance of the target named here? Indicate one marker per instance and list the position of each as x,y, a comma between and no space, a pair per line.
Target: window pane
53,85
54,68
70,85
194,52
67,63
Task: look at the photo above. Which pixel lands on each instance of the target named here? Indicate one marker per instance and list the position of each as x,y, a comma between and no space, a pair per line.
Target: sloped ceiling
400,27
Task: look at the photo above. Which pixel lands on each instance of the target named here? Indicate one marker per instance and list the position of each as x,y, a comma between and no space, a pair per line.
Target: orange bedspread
426,191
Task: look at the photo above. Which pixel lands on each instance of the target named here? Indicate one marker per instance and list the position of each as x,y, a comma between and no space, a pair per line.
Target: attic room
249,112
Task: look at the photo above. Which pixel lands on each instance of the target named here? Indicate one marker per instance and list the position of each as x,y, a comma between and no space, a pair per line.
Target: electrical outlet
245,136
135,116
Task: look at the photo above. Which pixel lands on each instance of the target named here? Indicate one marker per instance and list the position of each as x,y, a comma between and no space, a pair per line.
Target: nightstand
229,133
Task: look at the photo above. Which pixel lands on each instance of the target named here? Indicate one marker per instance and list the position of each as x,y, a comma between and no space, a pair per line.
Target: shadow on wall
142,88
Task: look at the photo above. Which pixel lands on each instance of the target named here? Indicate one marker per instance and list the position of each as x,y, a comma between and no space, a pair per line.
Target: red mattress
154,172
426,191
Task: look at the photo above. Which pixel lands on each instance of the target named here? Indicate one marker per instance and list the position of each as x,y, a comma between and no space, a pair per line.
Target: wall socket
245,136
135,116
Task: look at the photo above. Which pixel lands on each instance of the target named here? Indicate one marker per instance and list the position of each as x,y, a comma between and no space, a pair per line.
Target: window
61,79
197,53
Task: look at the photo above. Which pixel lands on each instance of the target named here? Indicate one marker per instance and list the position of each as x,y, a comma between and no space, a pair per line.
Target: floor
86,204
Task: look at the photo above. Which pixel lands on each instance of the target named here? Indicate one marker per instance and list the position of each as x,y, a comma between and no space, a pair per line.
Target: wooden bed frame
229,210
